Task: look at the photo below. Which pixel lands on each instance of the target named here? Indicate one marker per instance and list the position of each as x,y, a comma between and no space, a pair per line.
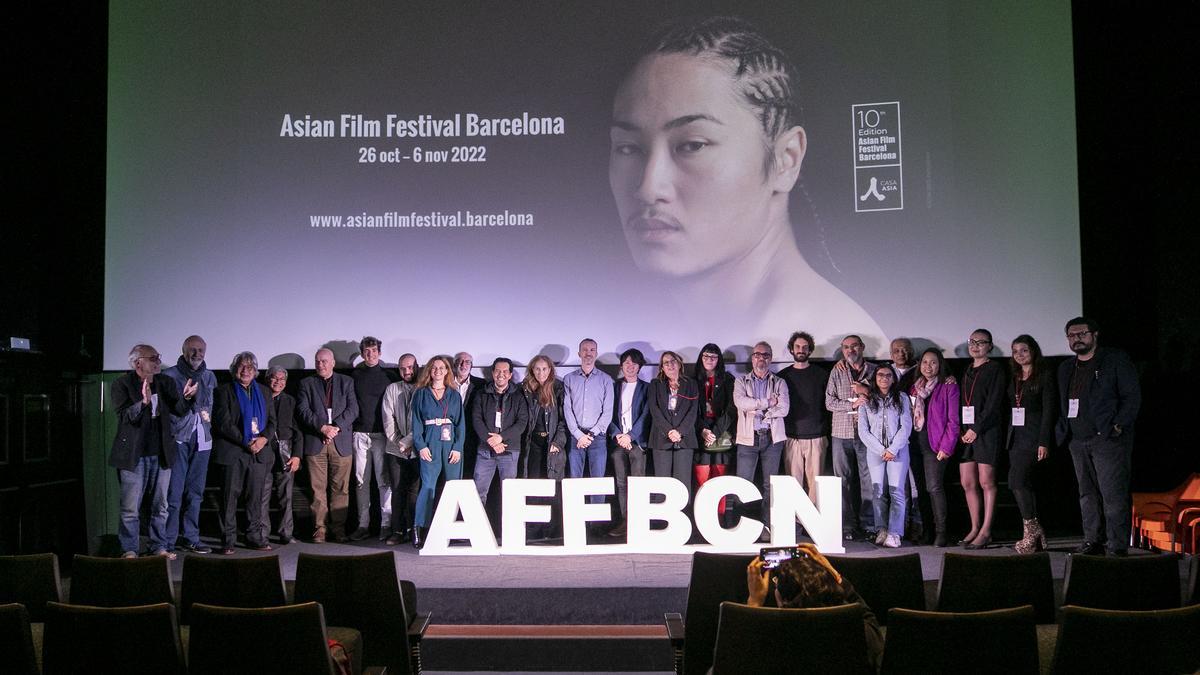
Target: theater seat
120,582
362,592
980,583
16,640
771,640
1107,641
1140,582
1002,641
885,582
289,639
230,582
715,578
143,639
1157,516
31,580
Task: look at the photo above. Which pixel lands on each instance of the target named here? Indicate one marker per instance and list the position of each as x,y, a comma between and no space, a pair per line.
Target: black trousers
1102,469
404,475
1020,480
281,489
931,480
254,480
627,463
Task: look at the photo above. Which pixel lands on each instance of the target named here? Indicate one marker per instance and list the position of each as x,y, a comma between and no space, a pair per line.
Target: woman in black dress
982,395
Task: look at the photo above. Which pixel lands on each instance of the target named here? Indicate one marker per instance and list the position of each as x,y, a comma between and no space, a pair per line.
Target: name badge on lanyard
254,426
968,414
154,405
672,402
329,415
1073,408
445,432
1018,417
499,414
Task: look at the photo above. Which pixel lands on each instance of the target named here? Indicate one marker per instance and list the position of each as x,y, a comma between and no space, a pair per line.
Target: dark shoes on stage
982,541
189,547
418,538
1090,548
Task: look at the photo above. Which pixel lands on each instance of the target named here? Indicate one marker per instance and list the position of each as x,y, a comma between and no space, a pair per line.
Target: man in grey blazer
327,407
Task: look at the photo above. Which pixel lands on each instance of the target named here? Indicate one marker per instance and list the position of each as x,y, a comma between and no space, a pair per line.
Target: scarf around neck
253,406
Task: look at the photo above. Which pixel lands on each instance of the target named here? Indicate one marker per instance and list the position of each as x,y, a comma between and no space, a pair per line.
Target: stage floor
584,571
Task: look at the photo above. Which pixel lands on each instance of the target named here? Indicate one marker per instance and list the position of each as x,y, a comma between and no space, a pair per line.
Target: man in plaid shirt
845,392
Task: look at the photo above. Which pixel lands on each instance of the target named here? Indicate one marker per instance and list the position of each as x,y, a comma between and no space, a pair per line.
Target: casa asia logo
460,516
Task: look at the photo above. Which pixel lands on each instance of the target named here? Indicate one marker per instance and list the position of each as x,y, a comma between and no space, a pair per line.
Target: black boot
939,520
418,538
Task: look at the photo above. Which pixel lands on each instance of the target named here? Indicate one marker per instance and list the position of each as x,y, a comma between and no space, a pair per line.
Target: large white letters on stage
460,516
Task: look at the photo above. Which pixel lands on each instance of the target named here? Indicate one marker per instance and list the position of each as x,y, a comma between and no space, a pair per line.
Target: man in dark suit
144,448
627,431
287,445
1099,399
468,386
327,408
244,421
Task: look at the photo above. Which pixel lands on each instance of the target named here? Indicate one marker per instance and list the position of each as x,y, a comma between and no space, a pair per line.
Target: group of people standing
410,428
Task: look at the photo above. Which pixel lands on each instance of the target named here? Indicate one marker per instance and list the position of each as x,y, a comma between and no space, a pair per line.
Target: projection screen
510,177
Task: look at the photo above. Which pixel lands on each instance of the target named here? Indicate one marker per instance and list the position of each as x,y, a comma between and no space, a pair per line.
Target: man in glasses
144,449
761,399
1099,397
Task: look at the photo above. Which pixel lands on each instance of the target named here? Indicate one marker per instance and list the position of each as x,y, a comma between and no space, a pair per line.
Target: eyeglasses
1078,334
761,355
979,343
157,358
706,355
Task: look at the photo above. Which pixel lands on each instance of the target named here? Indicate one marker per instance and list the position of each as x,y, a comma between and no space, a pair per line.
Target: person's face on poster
689,166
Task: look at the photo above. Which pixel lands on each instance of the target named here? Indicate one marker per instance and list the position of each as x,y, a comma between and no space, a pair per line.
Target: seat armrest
675,630
416,629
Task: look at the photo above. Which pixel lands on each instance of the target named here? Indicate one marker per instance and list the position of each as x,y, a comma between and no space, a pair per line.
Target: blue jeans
145,479
596,457
187,491
850,464
748,458
889,490
488,463
430,471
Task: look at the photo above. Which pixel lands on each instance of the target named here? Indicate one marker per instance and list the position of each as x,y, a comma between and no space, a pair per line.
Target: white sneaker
891,541
879,538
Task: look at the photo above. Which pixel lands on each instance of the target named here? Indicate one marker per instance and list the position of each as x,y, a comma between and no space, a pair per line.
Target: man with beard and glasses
193,441
1099,397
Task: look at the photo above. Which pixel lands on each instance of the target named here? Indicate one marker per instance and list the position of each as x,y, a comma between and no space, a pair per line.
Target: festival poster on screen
507,178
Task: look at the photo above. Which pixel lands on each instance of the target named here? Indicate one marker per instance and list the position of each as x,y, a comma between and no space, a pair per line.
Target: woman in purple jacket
936,421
